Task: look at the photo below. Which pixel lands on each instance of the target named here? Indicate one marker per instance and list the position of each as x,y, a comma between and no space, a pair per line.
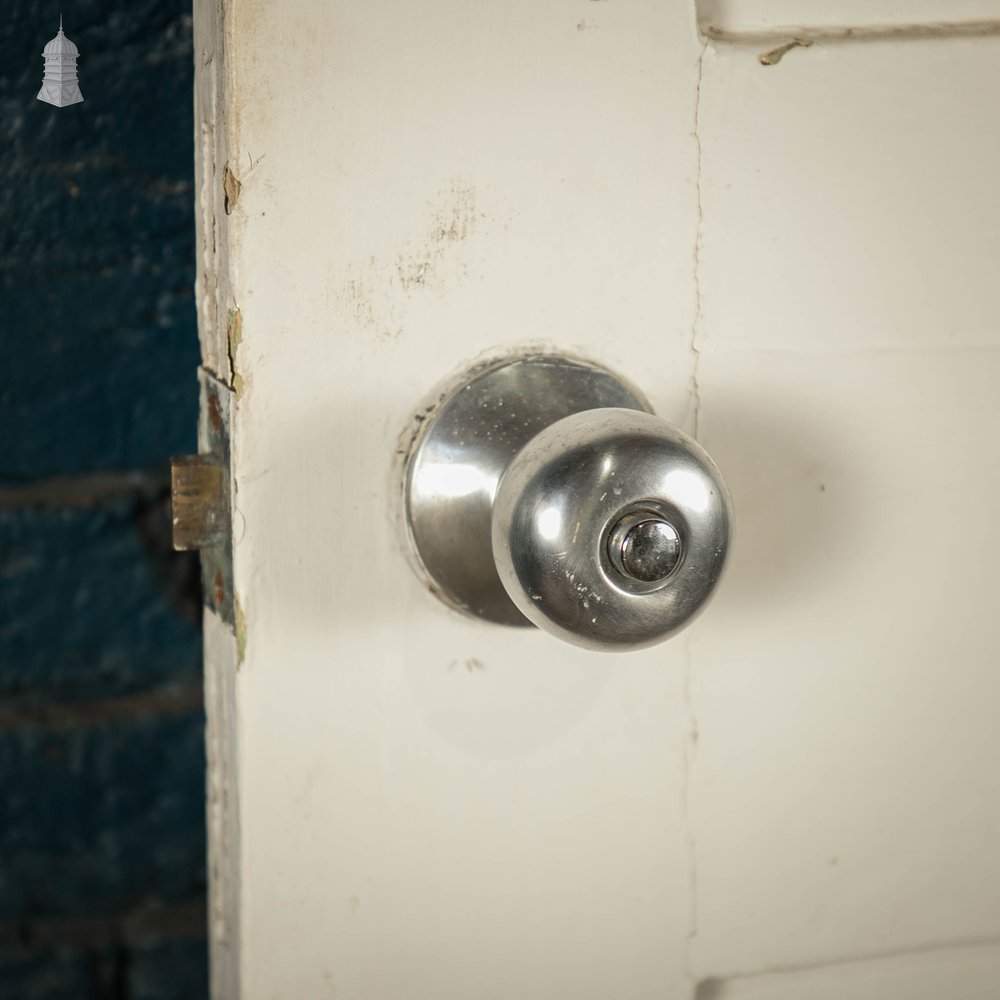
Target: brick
85,602
101,819
174,969
169,970
55,976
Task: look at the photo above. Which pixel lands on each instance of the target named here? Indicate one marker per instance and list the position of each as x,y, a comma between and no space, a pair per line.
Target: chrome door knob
543,491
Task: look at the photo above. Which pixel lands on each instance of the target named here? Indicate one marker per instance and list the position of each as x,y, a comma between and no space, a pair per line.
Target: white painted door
798,263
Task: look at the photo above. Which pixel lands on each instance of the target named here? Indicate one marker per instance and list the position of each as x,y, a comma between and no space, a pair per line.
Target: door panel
845,690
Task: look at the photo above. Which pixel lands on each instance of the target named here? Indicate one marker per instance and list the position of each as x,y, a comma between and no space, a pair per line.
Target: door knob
544,491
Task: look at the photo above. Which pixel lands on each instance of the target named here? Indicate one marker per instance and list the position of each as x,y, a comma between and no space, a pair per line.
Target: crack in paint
695,387
716,987
689,749
690,735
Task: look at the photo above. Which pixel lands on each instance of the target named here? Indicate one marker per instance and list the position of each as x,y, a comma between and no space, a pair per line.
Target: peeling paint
241,632
231,189
774,56
234,337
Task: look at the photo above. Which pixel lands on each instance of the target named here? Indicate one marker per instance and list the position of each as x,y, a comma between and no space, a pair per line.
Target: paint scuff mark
472,665
453,219
774,56
412,272
364,294
424,261
231,189
456,218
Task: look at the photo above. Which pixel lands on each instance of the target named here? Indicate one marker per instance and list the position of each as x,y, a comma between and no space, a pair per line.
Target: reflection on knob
542,491
610,529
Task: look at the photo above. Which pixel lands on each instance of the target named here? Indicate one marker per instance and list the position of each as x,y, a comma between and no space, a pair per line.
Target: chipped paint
241,632
213,443
774,56
230,189
234,337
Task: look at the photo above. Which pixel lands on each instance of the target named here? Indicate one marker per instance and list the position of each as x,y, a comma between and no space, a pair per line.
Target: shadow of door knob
543,491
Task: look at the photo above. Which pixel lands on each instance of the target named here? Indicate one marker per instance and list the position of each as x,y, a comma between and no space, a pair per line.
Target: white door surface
798,797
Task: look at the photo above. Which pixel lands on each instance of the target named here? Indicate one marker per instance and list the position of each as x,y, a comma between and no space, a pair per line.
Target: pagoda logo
59,85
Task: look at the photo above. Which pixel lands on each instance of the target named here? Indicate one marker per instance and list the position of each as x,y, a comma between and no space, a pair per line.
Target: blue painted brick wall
89,582
96,247
147,970
102,845
101,818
